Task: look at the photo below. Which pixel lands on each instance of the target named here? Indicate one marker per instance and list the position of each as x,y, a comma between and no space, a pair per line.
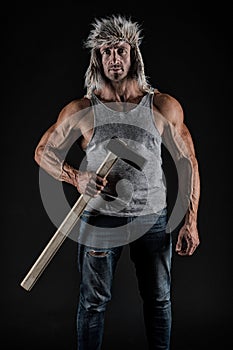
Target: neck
123,91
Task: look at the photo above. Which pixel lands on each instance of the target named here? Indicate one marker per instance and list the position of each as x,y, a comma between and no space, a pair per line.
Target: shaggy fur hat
109,31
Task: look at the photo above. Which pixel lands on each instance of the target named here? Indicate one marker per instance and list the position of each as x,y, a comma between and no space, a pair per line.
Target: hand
188,240
89,183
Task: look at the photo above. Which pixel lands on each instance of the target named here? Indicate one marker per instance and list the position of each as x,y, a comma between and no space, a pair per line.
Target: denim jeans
151,255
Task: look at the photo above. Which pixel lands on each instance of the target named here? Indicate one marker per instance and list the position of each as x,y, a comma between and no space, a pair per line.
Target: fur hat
109,31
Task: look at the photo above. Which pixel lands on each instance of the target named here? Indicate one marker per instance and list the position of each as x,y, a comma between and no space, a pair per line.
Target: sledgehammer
116,149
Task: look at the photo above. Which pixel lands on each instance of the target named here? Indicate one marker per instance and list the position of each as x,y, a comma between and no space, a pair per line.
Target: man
129,205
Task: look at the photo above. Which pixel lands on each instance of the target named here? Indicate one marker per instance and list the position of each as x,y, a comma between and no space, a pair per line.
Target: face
116,60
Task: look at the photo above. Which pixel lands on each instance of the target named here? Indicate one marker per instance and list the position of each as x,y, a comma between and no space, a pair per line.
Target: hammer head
122,151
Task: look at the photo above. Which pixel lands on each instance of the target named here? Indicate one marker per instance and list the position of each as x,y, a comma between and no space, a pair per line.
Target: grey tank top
129,192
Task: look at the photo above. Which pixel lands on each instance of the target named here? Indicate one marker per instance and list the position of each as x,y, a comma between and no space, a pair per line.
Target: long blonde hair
109,31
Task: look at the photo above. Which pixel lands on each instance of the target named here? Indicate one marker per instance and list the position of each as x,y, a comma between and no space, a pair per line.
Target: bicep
178,140
176,135
64,132
60,137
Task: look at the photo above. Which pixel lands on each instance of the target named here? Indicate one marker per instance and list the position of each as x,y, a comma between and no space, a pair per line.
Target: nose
114,57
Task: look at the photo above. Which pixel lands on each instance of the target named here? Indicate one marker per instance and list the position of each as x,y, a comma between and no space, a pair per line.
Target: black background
186,53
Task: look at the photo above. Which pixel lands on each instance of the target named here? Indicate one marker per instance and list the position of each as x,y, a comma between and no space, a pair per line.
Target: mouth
115,69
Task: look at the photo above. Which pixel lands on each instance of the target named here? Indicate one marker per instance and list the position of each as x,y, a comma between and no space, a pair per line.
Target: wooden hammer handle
64,229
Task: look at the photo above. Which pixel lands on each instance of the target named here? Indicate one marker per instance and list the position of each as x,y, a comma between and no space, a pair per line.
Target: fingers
90,184
95,185
100,181
191,249
179,244
187,247
187,242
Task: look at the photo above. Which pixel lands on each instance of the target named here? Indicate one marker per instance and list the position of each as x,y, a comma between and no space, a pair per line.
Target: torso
87,124
133,124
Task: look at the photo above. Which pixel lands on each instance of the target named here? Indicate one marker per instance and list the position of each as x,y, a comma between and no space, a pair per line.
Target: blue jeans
151,255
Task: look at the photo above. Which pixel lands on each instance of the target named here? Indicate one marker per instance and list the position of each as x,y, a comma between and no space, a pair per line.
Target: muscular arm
54,145
178,140
74,121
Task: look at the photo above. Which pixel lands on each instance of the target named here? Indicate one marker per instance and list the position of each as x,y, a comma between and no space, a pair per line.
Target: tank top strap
147,99
94,100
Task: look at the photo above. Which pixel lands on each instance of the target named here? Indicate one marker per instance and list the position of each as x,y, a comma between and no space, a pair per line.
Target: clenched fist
89,183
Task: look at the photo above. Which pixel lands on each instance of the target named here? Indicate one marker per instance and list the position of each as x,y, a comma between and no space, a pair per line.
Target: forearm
69,174
188,237
194,193
180,146
55,165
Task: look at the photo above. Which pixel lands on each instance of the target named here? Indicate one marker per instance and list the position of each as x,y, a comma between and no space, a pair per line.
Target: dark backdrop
186,53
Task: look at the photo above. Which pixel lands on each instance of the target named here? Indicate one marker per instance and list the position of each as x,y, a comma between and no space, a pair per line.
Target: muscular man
129,205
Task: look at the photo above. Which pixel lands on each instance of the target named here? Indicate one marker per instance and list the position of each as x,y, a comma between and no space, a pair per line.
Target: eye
121,51
106,52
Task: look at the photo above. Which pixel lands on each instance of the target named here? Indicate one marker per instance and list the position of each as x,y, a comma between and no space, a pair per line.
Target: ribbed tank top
129,192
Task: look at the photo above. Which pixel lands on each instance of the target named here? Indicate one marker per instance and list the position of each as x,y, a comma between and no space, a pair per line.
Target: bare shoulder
169,107
74,108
